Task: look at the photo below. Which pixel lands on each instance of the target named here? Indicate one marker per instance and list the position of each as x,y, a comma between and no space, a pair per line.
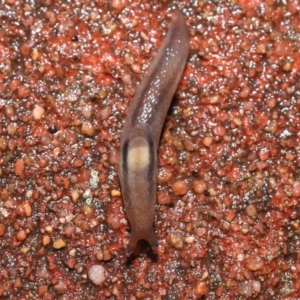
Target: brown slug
142,130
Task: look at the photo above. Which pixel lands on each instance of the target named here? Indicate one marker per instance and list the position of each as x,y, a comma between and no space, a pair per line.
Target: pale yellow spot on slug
138,154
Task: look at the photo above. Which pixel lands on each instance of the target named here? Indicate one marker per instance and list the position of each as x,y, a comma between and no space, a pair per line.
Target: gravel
227,218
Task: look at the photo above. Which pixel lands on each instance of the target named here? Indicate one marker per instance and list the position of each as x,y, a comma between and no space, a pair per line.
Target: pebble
86,110
207,141
2,229
263,154
115,193
200,186
163,198
38,112
256,286
189,239
179,187
201,232
23,91
26,207
59,243
74,195
113,220
12,128
219,130
176,240
46,240
19,167
296,188
70,262
245,289
251,211
254,262
201,289
21,235
3,143
87,129
96,274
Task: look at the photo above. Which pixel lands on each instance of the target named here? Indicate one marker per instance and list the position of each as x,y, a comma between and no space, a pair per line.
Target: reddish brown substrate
229,182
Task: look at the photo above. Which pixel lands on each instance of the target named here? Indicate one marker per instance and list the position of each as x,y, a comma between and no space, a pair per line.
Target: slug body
142,130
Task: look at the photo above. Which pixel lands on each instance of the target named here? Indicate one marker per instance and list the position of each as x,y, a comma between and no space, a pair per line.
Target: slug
142,130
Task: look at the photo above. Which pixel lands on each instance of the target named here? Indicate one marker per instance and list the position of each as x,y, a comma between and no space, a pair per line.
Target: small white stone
38,112
86,110
189,239
97,274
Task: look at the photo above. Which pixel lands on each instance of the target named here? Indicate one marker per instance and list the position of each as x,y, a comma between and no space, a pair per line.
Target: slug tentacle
142,130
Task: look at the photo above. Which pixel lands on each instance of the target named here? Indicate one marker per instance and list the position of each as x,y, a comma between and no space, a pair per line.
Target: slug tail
131,246
151,239
147,235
